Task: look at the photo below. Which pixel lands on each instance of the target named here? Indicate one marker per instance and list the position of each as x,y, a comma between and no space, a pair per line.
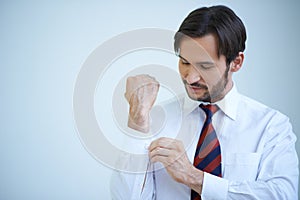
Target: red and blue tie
208,152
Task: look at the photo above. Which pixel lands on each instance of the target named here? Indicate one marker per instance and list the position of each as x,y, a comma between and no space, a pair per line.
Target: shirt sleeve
214,187
277,176
126,186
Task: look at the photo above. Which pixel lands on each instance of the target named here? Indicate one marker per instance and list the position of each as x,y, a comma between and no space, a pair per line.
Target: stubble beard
215,94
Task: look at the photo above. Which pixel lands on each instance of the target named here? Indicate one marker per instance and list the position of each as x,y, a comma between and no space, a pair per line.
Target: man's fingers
163,142
161,155
162,159
134,83
158,151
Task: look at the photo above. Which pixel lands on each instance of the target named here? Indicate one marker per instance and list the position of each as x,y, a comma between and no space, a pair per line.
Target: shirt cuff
214,187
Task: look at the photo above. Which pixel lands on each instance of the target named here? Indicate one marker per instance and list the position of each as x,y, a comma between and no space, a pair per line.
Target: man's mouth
196,86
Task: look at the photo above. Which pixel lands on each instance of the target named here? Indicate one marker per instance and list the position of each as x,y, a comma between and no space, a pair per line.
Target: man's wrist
195,179
139,119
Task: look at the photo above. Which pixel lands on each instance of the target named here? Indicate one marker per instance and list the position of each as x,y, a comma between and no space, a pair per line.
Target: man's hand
141,93
171,153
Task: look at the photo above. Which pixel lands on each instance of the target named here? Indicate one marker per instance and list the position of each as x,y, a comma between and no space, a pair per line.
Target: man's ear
237,63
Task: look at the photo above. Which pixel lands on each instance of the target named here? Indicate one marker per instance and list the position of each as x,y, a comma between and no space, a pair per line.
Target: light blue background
42,47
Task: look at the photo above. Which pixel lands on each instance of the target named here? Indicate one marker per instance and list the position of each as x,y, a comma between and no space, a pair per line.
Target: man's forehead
194,54
198,49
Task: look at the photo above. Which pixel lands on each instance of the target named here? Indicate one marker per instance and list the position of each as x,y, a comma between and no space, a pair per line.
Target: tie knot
209,109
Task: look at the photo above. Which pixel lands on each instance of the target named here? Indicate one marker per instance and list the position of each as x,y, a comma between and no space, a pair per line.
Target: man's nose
192,75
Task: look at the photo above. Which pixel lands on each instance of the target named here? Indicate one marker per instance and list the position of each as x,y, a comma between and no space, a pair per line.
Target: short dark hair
218,20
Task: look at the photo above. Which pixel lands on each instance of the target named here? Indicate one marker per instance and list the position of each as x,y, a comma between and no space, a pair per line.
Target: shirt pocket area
241,166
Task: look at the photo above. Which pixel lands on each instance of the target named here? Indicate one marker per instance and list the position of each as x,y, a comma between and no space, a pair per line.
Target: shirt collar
228,104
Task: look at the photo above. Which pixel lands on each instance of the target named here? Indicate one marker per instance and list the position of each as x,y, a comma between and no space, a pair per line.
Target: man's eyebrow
185,60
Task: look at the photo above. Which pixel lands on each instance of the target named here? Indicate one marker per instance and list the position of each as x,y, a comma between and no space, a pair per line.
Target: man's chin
198,97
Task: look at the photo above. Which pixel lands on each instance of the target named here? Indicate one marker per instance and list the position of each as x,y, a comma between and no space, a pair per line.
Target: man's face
205,75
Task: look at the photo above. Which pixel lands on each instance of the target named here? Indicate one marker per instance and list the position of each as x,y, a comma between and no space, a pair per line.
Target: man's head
210,43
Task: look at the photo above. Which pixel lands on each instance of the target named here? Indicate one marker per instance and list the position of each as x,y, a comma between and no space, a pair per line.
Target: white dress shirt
259,160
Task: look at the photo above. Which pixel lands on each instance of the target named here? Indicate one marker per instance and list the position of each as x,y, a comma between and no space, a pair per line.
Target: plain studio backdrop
43,45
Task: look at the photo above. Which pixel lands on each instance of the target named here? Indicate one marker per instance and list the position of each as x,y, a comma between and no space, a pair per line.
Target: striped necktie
208,153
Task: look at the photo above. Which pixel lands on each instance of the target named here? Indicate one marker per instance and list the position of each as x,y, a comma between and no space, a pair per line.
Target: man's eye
206,66
184,62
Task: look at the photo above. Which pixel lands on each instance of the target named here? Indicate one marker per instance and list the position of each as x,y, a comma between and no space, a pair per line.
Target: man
242,149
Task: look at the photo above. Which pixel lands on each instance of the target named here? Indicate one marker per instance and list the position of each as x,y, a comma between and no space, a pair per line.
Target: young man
241,149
